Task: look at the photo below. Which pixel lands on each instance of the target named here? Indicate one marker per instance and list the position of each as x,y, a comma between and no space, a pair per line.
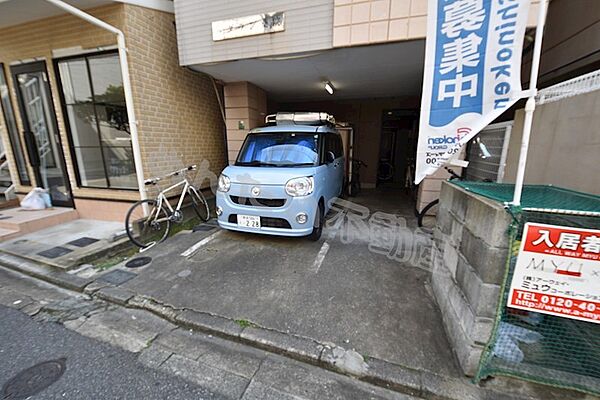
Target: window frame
64,108
5,112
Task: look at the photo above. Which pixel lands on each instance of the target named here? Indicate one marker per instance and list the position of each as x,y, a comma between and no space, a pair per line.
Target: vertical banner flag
472,73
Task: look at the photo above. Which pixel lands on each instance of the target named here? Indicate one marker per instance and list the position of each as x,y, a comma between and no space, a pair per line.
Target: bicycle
385,172
148,222
354,186
426,218
409,180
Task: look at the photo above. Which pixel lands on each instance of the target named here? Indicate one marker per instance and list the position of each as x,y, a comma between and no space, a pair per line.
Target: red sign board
558,272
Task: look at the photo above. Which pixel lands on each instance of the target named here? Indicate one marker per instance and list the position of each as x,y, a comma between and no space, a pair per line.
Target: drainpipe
135,143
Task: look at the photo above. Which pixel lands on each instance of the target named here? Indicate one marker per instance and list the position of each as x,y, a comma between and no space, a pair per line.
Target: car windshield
280,149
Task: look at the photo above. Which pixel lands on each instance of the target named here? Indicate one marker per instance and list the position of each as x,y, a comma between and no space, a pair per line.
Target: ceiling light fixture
329,87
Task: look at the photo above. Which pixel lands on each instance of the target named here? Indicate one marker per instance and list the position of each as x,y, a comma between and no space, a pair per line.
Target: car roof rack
300,118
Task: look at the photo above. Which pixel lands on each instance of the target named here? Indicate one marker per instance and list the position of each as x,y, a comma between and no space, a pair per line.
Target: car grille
267,222
257,202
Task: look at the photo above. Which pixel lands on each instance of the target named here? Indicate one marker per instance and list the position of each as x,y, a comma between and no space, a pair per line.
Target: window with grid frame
96,117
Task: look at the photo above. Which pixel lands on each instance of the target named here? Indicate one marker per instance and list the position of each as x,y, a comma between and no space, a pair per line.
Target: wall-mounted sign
248,26
558,272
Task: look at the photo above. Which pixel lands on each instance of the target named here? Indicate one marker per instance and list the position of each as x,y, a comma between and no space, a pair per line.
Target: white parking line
192,250
320,257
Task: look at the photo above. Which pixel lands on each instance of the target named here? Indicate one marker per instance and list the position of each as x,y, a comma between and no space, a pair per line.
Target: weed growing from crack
244,323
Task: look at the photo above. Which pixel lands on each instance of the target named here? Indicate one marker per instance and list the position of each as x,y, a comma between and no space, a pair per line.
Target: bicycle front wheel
147,229
427,217
199,203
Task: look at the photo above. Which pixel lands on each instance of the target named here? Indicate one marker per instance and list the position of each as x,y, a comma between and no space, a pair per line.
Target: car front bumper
275,219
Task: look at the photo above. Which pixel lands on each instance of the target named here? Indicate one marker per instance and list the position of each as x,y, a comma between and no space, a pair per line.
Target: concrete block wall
469,262
245,109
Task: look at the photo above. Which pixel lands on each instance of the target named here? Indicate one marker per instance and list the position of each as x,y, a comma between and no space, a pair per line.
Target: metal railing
573,87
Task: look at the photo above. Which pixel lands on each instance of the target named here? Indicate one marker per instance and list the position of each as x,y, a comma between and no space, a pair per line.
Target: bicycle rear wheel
427,216
145,230
199,203
385,172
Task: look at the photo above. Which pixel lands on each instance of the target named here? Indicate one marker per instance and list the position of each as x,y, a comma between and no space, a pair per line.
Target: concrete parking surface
335,290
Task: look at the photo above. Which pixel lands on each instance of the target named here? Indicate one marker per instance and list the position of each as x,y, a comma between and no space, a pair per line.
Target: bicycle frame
162,198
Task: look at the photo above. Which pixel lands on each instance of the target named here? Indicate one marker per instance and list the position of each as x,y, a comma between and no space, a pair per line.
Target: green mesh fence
542,348
538,197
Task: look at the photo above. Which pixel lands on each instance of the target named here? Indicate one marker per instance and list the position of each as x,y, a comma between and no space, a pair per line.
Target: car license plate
248,221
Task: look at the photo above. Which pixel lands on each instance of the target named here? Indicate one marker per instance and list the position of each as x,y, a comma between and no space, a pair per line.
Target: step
26,221
6,234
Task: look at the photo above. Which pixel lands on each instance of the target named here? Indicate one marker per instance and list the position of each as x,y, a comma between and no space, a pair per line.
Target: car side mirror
330,157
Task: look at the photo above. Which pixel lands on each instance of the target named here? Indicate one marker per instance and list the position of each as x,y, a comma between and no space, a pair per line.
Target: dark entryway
398,146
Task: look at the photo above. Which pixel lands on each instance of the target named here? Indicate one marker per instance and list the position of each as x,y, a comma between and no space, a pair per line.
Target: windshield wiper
297,165
257,163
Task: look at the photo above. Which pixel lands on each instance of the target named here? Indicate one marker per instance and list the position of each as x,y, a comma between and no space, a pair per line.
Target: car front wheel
318,224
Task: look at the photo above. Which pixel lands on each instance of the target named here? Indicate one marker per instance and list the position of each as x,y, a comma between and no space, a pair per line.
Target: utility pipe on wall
135,143
530,105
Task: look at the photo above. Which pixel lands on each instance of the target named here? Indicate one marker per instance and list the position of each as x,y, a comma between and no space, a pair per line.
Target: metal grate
117,277
267,222
258,202
83,241
573,87
54,252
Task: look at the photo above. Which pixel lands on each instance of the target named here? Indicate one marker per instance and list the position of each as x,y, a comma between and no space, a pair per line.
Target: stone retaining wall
469,261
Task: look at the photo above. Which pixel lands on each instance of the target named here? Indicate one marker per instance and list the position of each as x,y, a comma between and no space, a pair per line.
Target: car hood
266,175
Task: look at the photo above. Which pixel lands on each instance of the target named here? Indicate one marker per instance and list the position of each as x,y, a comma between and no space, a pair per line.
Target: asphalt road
94,370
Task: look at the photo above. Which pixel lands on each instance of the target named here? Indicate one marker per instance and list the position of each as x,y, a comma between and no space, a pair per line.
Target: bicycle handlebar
155,180
453,175
359,162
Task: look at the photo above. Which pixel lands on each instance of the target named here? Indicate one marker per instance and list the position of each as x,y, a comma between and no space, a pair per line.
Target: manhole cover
138,262
83,241
34,379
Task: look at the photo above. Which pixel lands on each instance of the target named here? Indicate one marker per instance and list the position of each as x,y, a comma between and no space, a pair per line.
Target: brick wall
180,122
178,113
37,40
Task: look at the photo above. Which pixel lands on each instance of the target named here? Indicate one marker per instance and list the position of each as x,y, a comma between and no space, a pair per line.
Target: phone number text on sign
558,272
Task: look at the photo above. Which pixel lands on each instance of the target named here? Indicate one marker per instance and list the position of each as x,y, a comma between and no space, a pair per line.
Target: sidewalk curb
379,372
33,269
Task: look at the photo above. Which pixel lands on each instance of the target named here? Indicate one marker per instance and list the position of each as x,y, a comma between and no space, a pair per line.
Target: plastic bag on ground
37,199
507,346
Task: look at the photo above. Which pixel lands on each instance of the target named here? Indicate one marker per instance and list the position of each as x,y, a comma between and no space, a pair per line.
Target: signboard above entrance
248,26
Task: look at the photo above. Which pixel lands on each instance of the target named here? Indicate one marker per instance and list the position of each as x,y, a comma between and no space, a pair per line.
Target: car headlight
224,183
300,186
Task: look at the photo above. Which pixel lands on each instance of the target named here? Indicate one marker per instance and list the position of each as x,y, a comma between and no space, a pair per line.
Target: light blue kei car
284,177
